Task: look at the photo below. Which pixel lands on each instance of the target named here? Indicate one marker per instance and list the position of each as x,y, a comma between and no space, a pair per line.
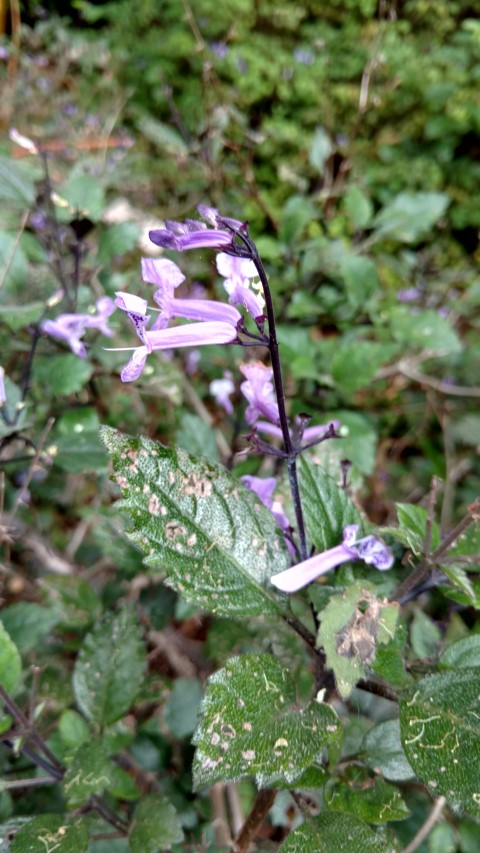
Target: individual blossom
237,272
369,549
166,276
259,392
264,487
193,234
222,389
189,335
71,328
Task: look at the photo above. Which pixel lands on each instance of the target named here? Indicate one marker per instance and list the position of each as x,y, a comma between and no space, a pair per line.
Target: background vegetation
347,134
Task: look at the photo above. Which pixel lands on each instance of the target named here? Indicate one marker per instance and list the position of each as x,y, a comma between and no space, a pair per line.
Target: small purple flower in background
237,272
264,489
258,390
222,389
304,56
192,234
3,393
369,549
408,294
70,328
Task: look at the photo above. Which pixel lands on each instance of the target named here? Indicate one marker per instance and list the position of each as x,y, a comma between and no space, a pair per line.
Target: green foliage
333,831
155,826
51,831
327,507
248,726
217,544
10,662
109,669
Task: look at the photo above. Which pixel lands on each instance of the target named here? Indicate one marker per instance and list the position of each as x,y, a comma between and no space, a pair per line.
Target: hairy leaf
217,544
109,669
90,772
155,826
248,726
341,833
326,506
51,832
440,725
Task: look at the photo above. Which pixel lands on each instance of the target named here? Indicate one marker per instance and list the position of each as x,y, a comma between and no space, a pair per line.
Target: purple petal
135,366
207,239
162,273
240,295
232,267
304,573
212,216
263,488
3,395
191,335
372,551
204,309
130,303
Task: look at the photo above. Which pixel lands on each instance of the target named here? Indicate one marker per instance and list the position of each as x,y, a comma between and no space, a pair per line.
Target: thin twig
424,830
11,254
262,805
24,488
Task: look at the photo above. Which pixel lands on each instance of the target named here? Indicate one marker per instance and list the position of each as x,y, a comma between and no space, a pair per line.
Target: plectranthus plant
295,552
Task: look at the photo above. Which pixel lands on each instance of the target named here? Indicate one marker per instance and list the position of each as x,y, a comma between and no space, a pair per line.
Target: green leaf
19,316
425,636
10,662
424,330
361,280
320,149
410,215
163,135
389,661
109,669
353,624
28,623
466,430
359,207
413,518
368,357
440,727
296,215
213,538
196,436
51,832
62,374
16,184
155,826
90,772
73,729
85,195
463,653
327,507
249,726
75,601
332,831
374,801
181,708
117,239
383,752
78,447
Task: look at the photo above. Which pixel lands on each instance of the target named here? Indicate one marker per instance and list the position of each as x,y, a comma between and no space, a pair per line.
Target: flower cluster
70,328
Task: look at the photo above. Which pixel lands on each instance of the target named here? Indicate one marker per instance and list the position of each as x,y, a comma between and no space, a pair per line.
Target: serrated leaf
341,833
109,669
410,215
51,832
155,826
374,801
62,374
413,518
327,508
440,726
248,726
350,633
463,653
217,544
10,662
90,772
384,752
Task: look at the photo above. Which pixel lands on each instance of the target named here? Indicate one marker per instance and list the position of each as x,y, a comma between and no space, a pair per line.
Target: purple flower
3,394
237,272
70,328
192,234
221,389
369,549
408,294
258,390
190,335
264,489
